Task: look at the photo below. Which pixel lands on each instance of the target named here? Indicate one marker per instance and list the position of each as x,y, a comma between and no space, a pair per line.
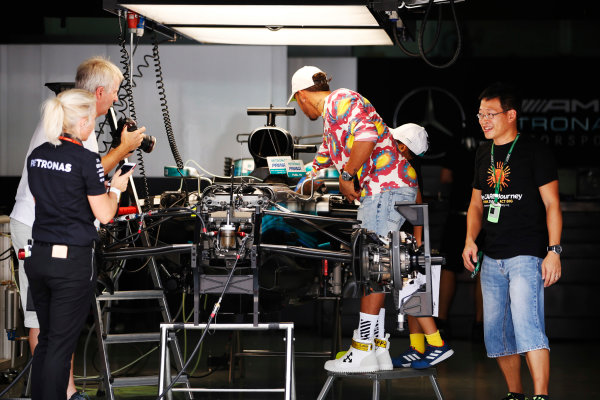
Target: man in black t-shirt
515,202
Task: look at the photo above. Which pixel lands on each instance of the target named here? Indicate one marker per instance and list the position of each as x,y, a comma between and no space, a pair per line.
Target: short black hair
507,93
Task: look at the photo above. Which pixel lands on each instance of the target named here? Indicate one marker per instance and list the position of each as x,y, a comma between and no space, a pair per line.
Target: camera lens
148,143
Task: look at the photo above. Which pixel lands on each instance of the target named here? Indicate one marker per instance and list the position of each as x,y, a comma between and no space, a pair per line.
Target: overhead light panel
258,15
289,36
313,24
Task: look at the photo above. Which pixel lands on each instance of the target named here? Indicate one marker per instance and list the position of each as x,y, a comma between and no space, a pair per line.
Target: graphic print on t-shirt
501,172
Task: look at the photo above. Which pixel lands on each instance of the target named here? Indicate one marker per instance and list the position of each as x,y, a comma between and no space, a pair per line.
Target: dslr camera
148,141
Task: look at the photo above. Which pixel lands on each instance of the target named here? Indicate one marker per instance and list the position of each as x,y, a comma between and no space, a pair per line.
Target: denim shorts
378,214
513,305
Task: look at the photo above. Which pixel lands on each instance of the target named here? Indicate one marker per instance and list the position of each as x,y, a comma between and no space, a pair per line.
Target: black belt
48,244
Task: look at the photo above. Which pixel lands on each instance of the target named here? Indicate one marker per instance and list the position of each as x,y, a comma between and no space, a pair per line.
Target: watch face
557,248
346,176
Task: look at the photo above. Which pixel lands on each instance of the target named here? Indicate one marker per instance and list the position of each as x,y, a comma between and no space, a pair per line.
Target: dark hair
507,93
321,83
411,154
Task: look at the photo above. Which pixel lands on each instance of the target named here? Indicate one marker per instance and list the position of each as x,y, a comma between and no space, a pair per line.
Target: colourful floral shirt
349,117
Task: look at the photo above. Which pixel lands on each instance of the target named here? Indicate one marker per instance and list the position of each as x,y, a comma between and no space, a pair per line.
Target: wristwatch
557,248
346,176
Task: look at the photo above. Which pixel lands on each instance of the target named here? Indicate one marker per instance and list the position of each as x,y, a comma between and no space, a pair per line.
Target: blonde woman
101,77
67,183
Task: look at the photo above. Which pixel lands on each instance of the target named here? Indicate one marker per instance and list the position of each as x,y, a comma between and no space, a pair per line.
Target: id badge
494,212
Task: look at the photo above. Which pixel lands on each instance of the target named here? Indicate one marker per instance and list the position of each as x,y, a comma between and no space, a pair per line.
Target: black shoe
515,396
80,396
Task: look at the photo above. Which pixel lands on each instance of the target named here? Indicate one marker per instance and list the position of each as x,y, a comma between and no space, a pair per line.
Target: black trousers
62,290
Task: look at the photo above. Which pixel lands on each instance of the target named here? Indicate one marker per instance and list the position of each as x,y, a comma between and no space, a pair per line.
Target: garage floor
469,374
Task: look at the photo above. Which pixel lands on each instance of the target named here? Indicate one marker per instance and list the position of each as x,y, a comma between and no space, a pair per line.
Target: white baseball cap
302,79
413,136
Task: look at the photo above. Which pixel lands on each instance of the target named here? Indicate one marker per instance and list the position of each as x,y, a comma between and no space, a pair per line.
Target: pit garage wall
208,89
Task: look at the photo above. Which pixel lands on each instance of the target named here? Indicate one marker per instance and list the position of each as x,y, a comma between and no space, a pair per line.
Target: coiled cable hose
125,61
163,104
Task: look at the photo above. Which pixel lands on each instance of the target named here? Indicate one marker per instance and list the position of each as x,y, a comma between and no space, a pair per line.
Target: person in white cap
359,144
427,348
411,136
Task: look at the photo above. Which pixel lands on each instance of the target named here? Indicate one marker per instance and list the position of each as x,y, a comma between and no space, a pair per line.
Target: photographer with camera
102,78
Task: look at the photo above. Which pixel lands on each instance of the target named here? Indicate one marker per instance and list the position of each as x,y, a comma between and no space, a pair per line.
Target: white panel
24,70
208,89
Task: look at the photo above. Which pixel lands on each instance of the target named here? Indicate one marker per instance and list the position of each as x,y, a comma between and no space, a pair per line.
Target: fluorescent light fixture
259,15
288,36
314,24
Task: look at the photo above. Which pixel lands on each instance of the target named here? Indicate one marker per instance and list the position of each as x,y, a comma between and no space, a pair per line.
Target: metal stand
376,377
238,353
288,390
102,323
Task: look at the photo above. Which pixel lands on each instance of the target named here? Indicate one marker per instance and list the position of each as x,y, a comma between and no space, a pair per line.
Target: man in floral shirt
359,144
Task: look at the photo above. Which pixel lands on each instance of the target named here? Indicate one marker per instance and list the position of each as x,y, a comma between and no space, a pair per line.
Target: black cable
125,62
10,252
100,132
146,64
422,34
137,233
127,86
213,314
163,103
436,37
14,382
165,216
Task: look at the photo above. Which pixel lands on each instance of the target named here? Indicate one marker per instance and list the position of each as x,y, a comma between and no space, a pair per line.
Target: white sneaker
359,358
382,352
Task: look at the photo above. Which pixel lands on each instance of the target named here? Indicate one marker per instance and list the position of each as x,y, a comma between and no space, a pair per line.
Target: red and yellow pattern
348,117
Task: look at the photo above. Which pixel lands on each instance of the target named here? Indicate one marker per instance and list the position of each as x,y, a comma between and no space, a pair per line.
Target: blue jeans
513,305
378,213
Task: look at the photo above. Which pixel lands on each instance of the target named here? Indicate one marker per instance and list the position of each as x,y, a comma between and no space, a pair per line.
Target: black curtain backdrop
561,100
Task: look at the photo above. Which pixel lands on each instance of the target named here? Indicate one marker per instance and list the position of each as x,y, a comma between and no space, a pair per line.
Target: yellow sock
417,340
435,339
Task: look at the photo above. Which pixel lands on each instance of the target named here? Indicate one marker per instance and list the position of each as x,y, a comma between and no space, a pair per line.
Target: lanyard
70,138
497,188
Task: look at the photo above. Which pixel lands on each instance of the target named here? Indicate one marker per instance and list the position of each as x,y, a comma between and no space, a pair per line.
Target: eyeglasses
489,116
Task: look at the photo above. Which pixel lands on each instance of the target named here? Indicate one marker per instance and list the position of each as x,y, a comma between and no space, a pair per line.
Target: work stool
377,377
168,330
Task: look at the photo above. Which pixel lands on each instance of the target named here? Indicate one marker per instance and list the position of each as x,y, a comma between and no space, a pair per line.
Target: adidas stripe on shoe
433,355
405,359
